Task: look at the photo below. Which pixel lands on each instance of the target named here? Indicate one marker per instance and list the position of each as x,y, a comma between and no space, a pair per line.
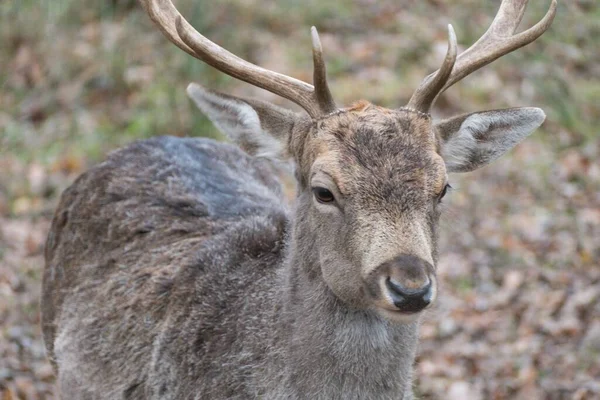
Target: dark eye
323,195
444,191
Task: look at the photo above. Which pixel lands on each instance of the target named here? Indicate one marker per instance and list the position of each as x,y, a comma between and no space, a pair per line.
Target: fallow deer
175,269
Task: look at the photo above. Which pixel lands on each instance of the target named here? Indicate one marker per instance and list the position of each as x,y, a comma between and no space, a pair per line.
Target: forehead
383,151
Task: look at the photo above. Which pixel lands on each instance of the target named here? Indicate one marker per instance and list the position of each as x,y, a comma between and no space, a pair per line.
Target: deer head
370,179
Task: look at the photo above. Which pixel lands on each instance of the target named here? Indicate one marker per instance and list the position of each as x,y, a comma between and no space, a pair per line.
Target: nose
408,299
405,283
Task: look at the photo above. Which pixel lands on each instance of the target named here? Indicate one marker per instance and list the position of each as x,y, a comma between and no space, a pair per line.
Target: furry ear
471,141
258,127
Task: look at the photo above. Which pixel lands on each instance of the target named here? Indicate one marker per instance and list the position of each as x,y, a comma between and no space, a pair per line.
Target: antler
498,40
316,100
421,100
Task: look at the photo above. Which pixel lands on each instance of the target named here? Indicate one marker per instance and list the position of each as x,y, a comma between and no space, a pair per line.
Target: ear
258,127
471,141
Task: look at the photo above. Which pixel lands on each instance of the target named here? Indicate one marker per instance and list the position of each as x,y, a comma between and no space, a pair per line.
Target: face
373,179
370,184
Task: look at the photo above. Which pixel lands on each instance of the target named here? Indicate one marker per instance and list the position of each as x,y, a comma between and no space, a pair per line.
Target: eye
444,191
323,195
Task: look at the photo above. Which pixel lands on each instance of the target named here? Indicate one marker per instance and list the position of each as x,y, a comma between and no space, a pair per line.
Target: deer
177,269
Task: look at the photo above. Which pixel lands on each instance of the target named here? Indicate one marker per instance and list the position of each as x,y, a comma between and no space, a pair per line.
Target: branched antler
315,100
498,40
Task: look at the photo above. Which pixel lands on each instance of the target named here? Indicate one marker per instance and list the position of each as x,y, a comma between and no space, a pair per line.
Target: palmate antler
316,100
498,40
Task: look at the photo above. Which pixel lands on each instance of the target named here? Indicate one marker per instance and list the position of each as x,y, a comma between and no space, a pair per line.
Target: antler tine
423,98
316,102
322,92
498,40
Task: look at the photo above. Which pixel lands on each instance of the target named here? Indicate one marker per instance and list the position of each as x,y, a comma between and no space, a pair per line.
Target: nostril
409,299
406,291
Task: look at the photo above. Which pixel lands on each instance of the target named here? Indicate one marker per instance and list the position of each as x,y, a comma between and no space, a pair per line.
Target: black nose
408,299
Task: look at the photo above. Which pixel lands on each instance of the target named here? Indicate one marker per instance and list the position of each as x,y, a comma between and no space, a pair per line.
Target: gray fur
482,137
141,301
175,270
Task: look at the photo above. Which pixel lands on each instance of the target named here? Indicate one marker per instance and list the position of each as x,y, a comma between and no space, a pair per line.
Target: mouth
399,316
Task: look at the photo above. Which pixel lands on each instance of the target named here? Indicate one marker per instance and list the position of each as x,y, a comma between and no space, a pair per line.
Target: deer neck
328,346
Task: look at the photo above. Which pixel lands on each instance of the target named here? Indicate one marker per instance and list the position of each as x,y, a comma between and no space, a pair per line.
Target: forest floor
518,314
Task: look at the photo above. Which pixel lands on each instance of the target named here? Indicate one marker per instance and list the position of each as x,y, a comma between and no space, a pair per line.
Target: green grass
81,79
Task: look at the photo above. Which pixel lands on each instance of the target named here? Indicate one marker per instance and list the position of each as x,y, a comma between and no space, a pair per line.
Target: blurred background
518,313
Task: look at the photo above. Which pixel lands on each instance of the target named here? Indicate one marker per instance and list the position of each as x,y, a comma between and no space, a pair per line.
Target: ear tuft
474,140
247,123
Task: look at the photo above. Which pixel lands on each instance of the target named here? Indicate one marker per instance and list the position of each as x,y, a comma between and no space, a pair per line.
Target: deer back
134,238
